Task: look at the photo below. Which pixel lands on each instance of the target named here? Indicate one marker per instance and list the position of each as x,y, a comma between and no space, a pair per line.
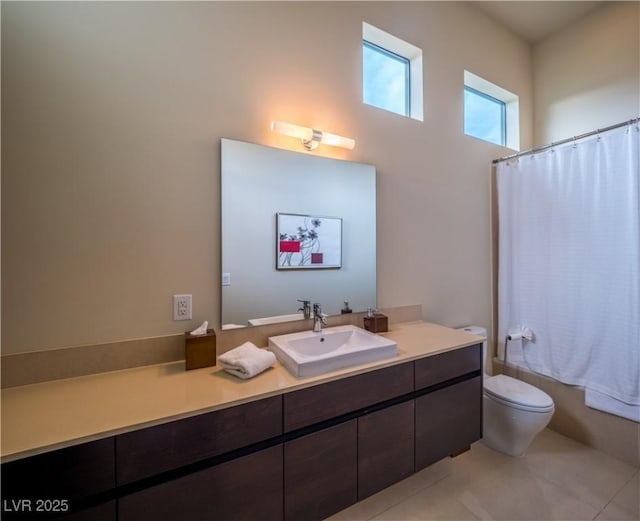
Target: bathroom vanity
273,448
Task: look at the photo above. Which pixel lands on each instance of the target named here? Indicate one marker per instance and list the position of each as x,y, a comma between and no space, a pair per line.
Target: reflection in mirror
258,183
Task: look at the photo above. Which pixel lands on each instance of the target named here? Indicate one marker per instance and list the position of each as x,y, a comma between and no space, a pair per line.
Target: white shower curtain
569,265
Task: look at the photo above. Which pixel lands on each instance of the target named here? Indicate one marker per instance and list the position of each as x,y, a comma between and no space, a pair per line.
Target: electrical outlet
182,307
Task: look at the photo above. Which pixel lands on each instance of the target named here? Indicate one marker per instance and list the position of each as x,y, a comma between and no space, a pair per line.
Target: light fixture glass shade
337,141
291,130
311,137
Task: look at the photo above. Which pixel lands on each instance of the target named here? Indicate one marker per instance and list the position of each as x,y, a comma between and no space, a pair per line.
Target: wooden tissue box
378,323
200,350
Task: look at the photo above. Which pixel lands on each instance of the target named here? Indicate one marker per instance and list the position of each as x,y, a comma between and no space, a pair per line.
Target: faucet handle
306,308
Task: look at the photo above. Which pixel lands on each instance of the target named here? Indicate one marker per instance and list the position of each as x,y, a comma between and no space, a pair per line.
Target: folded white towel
246,360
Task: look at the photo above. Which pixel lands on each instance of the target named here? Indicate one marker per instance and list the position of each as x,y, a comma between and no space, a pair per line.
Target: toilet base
504,448
509,430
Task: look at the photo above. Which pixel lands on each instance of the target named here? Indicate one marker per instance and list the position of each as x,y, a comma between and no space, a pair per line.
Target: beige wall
112,114
588,76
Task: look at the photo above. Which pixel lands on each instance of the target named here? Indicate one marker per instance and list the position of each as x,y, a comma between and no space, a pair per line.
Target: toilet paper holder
517,333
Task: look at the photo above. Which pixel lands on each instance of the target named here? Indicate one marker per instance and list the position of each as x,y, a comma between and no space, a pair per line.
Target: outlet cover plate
182,307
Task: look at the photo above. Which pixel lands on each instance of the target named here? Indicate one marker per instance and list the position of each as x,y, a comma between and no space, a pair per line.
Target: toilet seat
517,394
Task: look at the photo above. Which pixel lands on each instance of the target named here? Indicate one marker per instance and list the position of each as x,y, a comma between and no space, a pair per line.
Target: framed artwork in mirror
308,242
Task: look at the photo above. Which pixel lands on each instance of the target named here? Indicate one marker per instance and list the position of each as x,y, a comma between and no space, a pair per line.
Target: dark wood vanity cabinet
232,485
449,418
321,473
148,452
385,448
71,473
302,455
103,512
55,485
436,369
322,469
346,395
447,421
244,489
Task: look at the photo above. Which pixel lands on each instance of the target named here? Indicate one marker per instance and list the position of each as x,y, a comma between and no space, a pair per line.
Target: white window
491,113
385,79
391,73
484,116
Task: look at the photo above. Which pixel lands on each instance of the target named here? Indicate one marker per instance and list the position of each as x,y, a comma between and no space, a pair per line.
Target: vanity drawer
153,450
323,402
445,366
244,489
70,474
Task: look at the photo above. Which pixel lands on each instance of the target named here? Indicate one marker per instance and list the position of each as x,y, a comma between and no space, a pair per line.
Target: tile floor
558,479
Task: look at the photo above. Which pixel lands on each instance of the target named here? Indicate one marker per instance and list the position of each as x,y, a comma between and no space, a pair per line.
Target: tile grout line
540,475
594,510
616,493
406,498
571,493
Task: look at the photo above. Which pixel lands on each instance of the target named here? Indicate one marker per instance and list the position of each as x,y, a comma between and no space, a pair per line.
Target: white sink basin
310,354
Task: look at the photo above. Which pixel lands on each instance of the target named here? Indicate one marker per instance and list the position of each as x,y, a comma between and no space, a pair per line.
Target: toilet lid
517,392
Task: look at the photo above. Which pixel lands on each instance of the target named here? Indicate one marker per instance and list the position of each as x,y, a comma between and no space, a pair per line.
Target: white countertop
51,415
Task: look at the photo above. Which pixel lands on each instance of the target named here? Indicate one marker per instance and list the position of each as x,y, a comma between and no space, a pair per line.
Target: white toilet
514,412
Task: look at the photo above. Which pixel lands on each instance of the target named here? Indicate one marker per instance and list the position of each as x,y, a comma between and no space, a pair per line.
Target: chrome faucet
318,319
306,308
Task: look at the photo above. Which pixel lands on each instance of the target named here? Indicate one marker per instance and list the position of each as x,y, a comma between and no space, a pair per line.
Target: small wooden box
200,350
378,323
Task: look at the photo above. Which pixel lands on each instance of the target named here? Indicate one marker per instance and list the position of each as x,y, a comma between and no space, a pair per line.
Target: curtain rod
569,140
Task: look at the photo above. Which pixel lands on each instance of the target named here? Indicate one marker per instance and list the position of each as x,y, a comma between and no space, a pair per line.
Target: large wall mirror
272,199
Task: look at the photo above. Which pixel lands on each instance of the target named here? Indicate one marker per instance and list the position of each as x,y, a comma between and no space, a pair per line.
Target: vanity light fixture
311,137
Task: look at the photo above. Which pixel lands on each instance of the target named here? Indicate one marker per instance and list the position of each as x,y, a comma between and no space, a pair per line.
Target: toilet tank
479,331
